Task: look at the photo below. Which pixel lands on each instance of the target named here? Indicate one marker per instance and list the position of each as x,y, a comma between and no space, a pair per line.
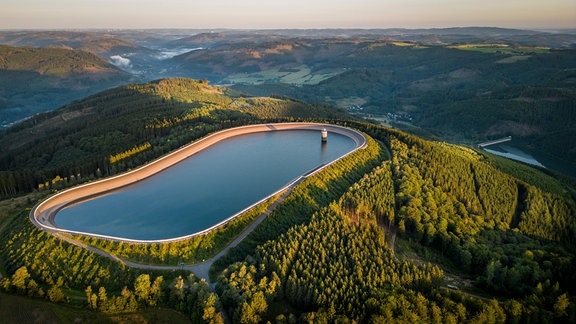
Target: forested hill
360,257
54,61
461,93
383,235
40,79
127,126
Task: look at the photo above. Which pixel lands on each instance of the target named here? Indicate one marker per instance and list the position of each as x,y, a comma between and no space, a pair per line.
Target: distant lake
513,153
206,188
533,158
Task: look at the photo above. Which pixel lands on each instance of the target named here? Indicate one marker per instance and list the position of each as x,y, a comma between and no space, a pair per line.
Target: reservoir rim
43,214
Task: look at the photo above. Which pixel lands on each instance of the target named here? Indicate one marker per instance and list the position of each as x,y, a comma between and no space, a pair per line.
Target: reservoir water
533,158
206,188
513,153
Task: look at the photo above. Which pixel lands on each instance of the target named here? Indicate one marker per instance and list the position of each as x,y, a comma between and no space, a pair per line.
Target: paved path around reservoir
42,215
202,269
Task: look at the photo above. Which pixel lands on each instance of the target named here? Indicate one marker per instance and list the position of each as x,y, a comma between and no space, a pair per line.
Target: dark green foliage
51,262
74,143
337,265
198,301
334,267
459,96
308,197
546,181
51,61
371,199
187,295
44,266
249,292
332,261
34,80
450,199
327,253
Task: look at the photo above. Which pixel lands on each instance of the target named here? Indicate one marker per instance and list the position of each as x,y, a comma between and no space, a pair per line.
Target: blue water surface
206,188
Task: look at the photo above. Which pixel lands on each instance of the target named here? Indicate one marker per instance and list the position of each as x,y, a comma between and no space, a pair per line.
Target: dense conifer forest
514,241
406,230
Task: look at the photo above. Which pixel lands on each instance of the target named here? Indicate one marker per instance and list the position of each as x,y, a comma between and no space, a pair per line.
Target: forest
339,266
62,150
447,93
34,80
406,230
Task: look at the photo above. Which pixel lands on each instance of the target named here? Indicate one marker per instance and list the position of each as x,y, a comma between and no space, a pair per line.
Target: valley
419,225
462,85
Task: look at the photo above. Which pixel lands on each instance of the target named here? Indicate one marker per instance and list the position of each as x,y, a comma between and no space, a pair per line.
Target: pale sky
254,14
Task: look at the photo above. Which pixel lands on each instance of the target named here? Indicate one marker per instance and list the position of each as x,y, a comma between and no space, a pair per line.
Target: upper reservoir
205,188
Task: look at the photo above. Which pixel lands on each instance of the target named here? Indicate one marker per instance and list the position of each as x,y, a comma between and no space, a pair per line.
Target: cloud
121,62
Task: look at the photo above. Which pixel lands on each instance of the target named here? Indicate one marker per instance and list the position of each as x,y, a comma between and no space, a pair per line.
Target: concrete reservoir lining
43,214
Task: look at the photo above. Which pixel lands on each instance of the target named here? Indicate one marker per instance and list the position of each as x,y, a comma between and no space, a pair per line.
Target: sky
266,14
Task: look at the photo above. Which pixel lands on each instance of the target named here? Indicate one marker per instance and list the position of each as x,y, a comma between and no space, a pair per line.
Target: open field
297,76
501,48
513,59
409,44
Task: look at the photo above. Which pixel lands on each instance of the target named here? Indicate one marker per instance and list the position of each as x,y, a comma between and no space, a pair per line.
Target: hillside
401,242
39,79
410,229
464,94
302,60
95,42
54,62
256,58
79,138
462,85
431,233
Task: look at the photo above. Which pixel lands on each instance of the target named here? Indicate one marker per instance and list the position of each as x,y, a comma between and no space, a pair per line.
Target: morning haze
256,14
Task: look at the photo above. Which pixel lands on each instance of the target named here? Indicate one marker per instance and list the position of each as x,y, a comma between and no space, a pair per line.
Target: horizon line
281,28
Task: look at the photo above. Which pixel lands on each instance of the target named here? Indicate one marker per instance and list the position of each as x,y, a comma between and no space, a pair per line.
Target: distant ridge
54,61
39,79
